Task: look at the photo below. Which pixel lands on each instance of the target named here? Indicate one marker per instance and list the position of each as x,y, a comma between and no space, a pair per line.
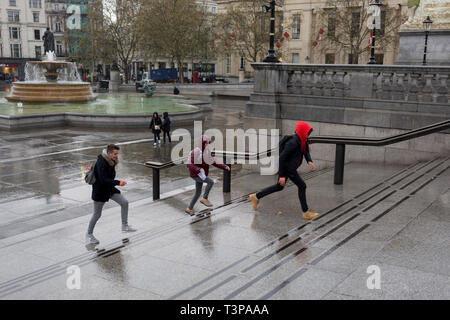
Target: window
1,50
295,58
12,3
353,59
296,26
13,16
16,50
37,34
35,16
228,64
14,33
379,58
59,48
330,58
35,3
242,66
214,10
331,24
356,17
37,50
58,26
383,23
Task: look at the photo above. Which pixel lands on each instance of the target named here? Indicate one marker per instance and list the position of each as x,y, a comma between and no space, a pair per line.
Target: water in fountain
34,73
51,80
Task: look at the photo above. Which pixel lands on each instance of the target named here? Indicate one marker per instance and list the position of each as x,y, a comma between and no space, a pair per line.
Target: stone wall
355,100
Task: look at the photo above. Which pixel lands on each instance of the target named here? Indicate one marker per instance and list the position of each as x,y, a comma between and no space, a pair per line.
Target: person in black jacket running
104,189
290,159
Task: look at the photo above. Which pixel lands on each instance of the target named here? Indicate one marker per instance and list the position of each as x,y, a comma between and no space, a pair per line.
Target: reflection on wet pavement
41,171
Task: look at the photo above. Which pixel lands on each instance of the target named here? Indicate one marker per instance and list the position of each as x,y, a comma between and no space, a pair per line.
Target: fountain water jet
51,81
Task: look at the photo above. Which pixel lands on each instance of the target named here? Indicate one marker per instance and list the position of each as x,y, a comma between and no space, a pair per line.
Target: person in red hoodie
290,159
199,161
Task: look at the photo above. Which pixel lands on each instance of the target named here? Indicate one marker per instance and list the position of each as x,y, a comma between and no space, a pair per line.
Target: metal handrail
340,143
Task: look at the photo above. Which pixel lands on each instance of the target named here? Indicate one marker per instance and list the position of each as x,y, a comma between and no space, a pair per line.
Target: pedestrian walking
155,125
199,161
166,127
295,148
104,188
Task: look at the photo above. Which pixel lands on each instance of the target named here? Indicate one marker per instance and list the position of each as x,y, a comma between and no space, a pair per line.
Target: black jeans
168,135
301,185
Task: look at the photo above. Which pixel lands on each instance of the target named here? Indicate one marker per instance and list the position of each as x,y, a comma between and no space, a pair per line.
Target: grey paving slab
312,285
397,283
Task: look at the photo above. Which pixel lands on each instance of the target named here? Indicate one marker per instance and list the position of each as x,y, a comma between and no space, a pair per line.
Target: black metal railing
340,143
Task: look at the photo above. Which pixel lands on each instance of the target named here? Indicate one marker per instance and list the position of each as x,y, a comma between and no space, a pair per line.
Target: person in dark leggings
166,126
199,160
295,148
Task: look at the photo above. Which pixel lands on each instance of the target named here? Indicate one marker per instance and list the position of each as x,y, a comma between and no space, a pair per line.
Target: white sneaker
154,143
90,239
128,228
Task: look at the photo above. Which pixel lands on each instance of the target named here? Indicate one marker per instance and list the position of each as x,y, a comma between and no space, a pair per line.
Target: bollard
226,177
227,180
156,191
339,164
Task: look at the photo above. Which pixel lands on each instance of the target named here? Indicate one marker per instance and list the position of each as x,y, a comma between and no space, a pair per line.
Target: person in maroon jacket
199,161
296,148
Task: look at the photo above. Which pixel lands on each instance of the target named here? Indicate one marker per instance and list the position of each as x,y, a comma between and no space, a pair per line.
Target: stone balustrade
428,84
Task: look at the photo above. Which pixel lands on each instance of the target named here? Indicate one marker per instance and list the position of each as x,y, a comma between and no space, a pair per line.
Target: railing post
156,191
226,177
339,164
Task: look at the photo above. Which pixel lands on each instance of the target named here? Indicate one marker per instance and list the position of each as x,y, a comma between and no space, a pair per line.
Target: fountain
51,81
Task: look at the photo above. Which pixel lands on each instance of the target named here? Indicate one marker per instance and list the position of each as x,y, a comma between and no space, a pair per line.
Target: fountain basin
45,92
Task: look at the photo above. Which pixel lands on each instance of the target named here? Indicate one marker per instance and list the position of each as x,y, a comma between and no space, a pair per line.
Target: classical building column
307,34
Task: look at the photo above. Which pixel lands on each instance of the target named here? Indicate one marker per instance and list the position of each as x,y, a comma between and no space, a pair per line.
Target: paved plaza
393,217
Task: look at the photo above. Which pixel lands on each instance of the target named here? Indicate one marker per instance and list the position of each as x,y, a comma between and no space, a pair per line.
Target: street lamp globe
427,24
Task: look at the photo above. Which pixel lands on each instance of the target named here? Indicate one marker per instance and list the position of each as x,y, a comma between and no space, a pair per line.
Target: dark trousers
301,185
168,135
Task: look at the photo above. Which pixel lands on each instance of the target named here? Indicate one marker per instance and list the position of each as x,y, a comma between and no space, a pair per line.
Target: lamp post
427,27
375,9
271,57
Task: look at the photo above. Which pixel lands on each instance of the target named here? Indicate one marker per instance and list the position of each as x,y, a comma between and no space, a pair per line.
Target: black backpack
283,141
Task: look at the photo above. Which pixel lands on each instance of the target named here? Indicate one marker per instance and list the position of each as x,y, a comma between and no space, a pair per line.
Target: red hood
303,130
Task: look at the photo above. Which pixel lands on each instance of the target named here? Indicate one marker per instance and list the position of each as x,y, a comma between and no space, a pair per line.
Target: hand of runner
311,164
282,181
122,183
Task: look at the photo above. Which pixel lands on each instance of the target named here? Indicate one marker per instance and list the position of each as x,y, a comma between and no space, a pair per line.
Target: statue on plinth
49,41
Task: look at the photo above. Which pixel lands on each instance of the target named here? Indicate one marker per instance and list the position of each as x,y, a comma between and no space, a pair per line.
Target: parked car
251,80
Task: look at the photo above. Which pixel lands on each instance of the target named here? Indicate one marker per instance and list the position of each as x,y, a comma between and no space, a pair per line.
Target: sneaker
128,228
159,141
309,215
90,239
154,143
189,211
254,201
206,202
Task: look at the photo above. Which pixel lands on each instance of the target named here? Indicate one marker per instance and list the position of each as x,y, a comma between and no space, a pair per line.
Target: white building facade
22,25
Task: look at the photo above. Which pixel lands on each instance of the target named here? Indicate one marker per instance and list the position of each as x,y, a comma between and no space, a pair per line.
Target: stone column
114,82
307,34
241,75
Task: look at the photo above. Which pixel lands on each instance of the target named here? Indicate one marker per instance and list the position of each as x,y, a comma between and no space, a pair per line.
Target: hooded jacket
166,122
294,150
201,158
105,174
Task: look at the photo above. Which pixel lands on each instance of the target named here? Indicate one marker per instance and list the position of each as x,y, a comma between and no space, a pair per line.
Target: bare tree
244,29
346,22
174,29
